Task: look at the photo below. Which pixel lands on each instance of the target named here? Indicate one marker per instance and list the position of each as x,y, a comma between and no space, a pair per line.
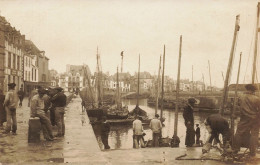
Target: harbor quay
79,146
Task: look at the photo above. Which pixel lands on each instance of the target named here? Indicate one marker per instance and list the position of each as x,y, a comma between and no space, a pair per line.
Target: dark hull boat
117,113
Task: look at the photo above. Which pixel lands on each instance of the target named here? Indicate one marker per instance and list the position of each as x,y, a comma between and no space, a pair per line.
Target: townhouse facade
11,55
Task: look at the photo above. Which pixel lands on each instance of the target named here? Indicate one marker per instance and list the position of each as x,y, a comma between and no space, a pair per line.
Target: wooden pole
138,82
235,102
158,86
256,44
163,82
229,68
117,88
223,76
210,78
177,91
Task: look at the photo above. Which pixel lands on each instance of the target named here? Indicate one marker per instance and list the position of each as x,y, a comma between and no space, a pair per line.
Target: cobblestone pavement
79,146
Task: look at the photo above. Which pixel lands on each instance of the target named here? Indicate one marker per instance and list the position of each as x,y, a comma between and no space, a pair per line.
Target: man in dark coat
189,122
216,124
249,120
21,96
59,102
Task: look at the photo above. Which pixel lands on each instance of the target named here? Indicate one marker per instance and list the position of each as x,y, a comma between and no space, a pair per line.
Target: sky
69,31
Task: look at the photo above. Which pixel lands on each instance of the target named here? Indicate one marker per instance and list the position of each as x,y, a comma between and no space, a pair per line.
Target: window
26,61
35,75
43,77
43,66
9,59
32,74
25,76
29,74
14,61
9,79
18,62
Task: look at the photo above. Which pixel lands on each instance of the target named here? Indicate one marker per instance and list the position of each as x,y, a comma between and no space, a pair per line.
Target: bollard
34,130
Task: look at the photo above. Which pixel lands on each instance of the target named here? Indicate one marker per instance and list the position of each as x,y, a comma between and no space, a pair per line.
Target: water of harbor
120,136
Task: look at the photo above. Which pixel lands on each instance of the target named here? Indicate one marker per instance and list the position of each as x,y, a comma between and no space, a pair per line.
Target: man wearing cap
156,127
249,119
189,122
11,102
59,102
138,132
39,106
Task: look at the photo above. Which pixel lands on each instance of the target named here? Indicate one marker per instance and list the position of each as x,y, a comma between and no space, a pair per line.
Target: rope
250,48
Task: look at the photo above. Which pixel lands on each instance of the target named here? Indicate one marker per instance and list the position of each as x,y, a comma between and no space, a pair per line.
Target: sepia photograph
130,82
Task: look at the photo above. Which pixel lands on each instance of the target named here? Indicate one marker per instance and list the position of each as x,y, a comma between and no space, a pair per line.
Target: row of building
21,62
75,78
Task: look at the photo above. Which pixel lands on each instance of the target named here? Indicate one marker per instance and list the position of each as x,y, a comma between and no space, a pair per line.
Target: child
197,132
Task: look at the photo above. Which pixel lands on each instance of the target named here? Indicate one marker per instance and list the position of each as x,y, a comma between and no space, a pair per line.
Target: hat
250,87
11,84
58,89
192,100
156,115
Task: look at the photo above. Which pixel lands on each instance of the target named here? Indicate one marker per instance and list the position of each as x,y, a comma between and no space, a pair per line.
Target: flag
122,53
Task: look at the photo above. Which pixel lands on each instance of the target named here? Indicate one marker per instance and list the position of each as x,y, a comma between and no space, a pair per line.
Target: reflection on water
121,136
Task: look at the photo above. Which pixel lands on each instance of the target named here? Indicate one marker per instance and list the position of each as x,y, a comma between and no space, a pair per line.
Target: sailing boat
94,92
117,111
137,110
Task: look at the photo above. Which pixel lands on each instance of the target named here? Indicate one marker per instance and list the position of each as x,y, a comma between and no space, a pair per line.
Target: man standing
189,122
249,120
11,102
20,95
38,109
59,102
156,127
105,129
216,124
138,132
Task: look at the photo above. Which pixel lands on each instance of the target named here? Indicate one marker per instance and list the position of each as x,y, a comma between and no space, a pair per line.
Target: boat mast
210,78
256,44
122,57
117,89
158,86
229,68
138,82
177,90
235,103
163,81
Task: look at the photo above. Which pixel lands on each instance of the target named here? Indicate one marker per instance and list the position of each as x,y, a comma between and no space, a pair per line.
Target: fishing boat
137,111
92,95
117,111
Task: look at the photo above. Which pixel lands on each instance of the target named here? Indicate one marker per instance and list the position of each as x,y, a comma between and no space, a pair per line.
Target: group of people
138,133
47,104
247,129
